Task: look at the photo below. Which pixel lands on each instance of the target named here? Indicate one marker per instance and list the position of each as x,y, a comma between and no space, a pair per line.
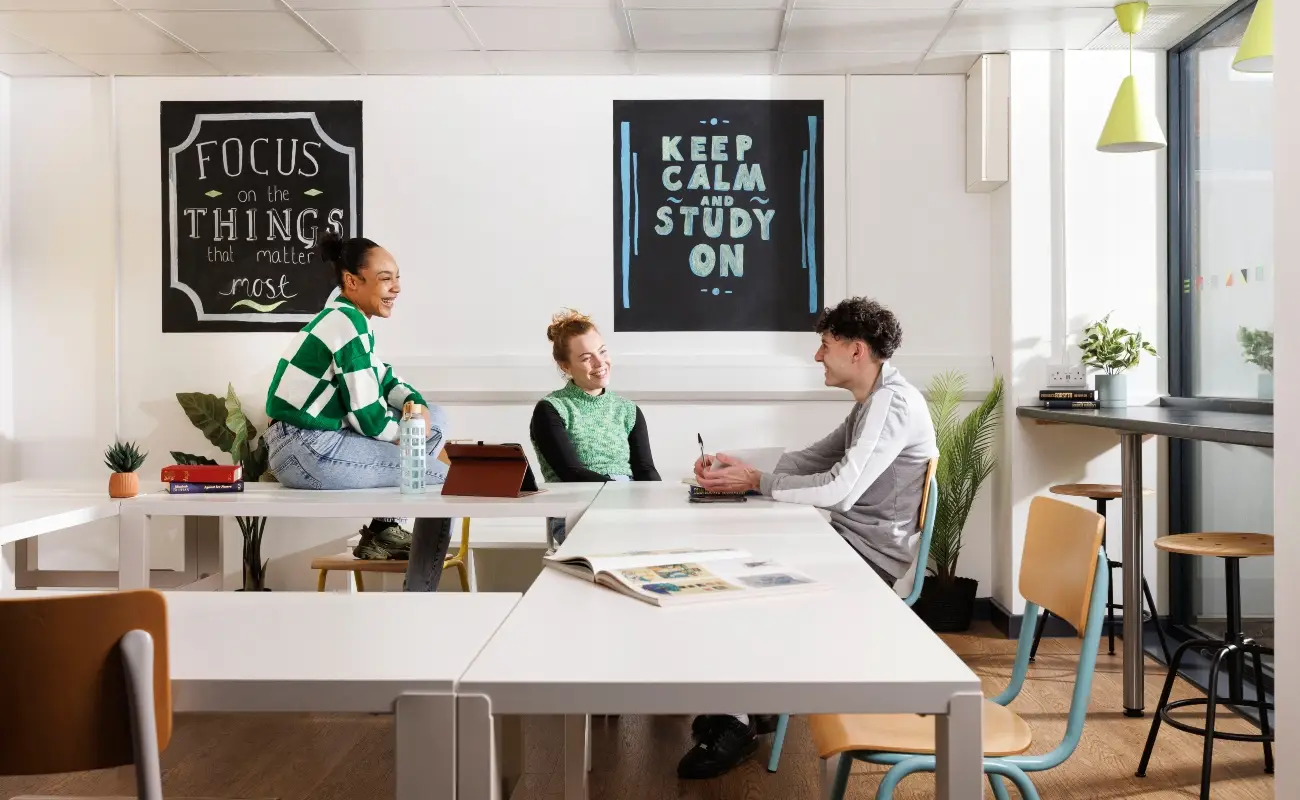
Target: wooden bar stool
1101,493
357,566
1231,547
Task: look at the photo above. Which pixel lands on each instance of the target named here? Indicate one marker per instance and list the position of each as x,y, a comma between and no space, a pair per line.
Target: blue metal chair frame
1014,768
922,560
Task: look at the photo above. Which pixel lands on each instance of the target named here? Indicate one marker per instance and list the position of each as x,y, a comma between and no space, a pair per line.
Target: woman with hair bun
584,432
335,407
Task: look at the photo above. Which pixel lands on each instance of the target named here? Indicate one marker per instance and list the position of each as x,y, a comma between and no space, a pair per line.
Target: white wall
8,445
1286,475
477,295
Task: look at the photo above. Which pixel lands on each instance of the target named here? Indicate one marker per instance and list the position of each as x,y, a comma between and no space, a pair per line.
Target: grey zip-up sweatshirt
868,473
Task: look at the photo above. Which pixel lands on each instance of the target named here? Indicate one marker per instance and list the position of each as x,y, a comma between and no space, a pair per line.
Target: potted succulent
1112,350
1257,348
966,459
222,421
124,458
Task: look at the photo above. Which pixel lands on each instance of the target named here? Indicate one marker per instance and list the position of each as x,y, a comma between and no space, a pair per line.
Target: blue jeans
309,459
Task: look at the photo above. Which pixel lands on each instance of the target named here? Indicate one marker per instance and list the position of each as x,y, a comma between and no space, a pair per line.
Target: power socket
1061,376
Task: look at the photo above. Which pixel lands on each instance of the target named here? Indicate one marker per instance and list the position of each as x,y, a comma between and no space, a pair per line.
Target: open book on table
683,576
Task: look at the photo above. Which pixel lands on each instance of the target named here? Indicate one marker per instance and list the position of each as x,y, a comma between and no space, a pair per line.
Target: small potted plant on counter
1257,348
1113,351
124,458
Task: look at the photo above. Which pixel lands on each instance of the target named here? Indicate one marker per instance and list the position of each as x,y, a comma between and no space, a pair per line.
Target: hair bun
330,246
566,319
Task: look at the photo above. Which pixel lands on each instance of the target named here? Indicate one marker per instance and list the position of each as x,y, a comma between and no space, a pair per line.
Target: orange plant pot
123,484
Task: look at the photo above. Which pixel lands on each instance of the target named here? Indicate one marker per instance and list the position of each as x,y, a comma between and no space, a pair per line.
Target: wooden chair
357,566
1063,568
929,505
85,685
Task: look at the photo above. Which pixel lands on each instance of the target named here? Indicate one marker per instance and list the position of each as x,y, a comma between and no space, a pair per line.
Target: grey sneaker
394,539
369,550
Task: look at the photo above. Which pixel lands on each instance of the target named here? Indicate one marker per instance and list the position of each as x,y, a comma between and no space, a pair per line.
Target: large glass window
1221,312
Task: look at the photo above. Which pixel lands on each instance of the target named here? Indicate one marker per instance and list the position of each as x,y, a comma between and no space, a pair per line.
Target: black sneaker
702,724
728,743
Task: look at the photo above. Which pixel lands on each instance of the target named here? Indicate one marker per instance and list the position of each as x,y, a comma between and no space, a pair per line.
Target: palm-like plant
966,460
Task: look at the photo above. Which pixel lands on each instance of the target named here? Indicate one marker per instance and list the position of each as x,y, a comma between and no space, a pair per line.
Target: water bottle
411,438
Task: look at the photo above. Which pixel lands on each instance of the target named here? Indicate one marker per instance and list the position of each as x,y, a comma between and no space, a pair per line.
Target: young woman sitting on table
335,408
585,432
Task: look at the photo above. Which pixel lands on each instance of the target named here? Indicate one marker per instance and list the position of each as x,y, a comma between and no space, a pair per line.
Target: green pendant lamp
1132,126
1256,51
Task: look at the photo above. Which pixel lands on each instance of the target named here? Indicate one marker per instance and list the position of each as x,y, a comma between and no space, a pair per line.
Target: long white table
31,508
575,649
566,500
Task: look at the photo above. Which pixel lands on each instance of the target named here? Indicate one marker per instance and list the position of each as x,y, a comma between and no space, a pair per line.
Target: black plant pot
947,607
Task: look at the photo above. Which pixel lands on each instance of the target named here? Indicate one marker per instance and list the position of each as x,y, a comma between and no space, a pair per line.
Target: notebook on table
763,459
669,578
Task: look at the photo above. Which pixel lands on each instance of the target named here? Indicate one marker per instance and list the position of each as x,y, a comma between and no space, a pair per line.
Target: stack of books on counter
203,478
1069,398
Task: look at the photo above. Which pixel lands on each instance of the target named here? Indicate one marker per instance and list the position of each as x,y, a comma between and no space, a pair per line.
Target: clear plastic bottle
411,438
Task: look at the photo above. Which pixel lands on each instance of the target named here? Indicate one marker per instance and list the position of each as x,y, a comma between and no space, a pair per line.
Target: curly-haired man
869,473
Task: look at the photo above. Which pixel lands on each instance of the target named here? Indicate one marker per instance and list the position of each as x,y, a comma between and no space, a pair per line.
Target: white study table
563,500
30,508
576,649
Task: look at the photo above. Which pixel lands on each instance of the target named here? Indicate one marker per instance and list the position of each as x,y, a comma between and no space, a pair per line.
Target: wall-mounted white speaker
988,90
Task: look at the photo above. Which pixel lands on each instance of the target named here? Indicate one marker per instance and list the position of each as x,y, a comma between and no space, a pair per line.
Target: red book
203,473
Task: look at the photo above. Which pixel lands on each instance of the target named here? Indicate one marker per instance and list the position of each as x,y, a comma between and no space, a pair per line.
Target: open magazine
684,576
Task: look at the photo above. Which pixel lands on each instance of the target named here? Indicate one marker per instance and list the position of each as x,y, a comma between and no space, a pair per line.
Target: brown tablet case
488,470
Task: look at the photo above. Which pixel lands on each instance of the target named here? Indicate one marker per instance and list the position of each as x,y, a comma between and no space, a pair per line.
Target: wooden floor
331,757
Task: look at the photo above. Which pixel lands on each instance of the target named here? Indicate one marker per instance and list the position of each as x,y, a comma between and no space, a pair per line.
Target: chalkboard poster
718,215
246,187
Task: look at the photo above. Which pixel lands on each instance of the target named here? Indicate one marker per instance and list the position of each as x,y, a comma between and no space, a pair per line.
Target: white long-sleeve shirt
869,473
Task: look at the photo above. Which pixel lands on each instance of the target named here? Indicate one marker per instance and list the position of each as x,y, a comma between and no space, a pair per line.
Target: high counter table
566,501
1132,423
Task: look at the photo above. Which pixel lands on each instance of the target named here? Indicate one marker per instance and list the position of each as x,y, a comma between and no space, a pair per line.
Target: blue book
179,487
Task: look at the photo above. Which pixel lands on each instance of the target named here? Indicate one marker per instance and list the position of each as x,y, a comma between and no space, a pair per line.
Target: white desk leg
577,733
959,749
475,759
8,567
426,747
132,549
827,778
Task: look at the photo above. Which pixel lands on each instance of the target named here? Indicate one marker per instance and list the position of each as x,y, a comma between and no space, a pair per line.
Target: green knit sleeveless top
598,426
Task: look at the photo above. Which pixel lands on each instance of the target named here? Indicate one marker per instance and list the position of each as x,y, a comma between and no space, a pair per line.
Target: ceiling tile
995,30
863,30
908,5
660,63
364,4
169,64
447,62
33,64
548,28
58,5
281,63
1107,4
849,63
238,31
552,63
411,29
13,44
705,4
948,63
705,30
536,3
202,5
1164,27
90,32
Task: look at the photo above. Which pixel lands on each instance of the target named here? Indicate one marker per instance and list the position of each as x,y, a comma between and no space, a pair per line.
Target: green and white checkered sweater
331,375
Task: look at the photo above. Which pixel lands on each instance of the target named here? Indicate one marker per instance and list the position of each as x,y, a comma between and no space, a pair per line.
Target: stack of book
1076,398
203,478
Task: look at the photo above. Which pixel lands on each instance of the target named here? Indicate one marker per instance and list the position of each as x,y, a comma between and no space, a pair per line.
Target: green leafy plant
223,423
1257,347
1111,349
966,459
124,457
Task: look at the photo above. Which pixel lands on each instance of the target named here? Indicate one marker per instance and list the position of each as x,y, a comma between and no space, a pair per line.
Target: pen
704,460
